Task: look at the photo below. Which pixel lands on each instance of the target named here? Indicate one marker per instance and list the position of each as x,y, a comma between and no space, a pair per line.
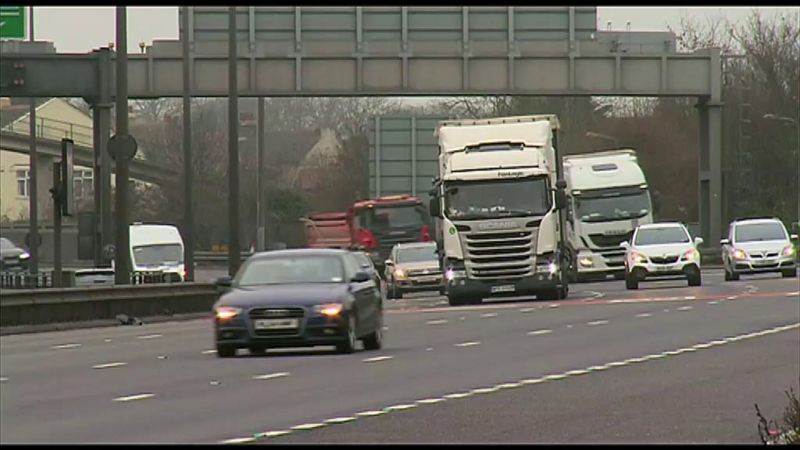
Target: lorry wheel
225,351
734,276
727,275
454,300
631,282
549,294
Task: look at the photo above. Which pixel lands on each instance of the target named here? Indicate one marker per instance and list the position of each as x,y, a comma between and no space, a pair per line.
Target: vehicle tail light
367,239
425,234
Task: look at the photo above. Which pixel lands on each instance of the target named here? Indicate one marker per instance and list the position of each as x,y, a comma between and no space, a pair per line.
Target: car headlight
227,312
788,250
586,261
638,258
739,254
400,274
25,255
329,309
690,255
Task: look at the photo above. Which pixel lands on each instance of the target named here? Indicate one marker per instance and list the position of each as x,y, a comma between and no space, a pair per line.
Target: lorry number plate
504,288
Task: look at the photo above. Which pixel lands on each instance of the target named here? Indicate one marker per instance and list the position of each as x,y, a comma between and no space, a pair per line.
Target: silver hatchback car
758,246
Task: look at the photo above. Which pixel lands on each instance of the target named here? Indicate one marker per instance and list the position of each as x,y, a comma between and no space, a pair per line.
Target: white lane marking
340,420
634,360
467,344
666,310
793,294
162,357
684,308
270,376
129,398
269,434
569,326
603,367
577,372
3,379
106,340
533,381
109,365
429,349
149,336
377,358
557,376
616,364
644,315
458,395
538,332
63,346
486,390
526,310
401,407
243,440
732,297
462,318
385,328
553,305
508,385
436,322
487,315
370,413
308,426
713,302
594,294
430,401
208,352
597,322
689,298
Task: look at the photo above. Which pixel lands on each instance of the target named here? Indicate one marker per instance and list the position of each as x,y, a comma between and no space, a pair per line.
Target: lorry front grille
500,255
611,240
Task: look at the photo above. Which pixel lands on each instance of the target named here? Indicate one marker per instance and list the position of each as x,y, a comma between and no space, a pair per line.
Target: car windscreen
495,198
291,270
417,254
157,254
5,244
663,235
393,217
760,232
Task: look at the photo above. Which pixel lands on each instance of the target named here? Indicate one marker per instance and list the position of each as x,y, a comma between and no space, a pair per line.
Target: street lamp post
592,134
797,128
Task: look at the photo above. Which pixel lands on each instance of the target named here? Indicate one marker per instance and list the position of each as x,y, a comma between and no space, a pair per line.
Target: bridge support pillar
101,121
710,188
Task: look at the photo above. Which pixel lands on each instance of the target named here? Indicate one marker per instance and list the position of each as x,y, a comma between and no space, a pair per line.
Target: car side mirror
224,282
433,207
361,277
794,237
388,262
625,244
698,241
724,241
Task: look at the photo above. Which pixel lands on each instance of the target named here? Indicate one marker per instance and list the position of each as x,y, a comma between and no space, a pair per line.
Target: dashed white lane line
553,305
243,440
713,302
732,297
149,336
3,379
793,294
208,352
129,398
436,322
538,332
644,315
271,376
526,310
689,298
468,344
106,340
529,381
488,315
109,365
377,358
65,346
597,322
684,308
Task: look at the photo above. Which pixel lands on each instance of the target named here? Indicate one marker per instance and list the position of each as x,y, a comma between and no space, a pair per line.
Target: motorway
666,363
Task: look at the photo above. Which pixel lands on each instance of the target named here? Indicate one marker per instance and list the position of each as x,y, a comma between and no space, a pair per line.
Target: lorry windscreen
151,255
612,204
382,218
487,199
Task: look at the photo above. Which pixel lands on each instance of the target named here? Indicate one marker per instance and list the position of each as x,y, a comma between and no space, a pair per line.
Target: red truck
378,224
328,230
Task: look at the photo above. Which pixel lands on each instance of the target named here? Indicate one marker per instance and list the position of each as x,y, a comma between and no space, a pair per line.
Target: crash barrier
63,305
80,278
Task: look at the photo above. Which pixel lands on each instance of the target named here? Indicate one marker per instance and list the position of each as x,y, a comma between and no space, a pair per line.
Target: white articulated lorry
496,203
607,198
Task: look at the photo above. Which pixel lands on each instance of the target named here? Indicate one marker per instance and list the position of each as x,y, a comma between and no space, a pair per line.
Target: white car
758,246
661,250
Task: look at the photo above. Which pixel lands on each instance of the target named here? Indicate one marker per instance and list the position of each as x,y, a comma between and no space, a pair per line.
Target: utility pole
233,147
188,214
33,178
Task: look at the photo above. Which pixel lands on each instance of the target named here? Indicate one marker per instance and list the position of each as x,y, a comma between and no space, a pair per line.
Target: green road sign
12,22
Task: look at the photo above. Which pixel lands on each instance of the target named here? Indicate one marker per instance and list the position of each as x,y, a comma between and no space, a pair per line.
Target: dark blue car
298,298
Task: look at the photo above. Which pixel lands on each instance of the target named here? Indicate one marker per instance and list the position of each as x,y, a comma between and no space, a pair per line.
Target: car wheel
727,275
349,345
257,350
631,282
454,300
442,291
695,280
374,341
790,273
398,293
225,351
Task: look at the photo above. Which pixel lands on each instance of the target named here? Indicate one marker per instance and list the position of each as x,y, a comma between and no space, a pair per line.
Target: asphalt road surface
666,363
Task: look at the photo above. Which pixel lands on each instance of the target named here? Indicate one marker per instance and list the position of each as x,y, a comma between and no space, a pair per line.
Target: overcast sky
82,29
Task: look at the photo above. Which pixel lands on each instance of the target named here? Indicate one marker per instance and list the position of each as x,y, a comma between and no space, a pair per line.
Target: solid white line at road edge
377,358
129,398
270,376
109,365
545,379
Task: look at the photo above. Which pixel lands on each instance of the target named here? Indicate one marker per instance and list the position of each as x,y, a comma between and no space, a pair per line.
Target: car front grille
500,255
760,255
664,259
276,313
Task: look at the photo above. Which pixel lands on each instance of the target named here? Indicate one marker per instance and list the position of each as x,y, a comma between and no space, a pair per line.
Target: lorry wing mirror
561,199
433,207
561,184
625,245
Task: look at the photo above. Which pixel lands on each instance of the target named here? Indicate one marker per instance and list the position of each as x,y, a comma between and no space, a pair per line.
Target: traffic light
12,75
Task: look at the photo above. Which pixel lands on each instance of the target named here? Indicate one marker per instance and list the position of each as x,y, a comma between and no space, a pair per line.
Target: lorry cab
157,248
607,198
377,225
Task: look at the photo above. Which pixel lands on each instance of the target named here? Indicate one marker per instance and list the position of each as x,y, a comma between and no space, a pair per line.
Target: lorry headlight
586,261
739,254
451,274
552,267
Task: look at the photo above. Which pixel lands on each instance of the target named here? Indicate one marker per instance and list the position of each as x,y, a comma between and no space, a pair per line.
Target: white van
157,248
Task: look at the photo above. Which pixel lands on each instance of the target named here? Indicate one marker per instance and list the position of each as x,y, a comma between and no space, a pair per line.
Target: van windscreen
151,255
